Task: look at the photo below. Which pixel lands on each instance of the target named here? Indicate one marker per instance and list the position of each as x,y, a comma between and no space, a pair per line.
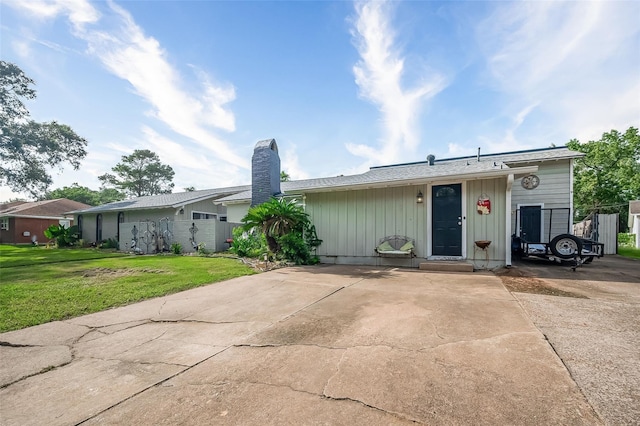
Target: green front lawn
53,284
629,252
30,255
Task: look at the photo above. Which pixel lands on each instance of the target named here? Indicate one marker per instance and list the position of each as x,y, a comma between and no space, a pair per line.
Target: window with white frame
203,215
4,223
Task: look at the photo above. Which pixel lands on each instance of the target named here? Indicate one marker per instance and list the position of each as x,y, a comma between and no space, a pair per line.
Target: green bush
202,251
248,244
63,237
109,243
176,248
286,228
626,240
297,246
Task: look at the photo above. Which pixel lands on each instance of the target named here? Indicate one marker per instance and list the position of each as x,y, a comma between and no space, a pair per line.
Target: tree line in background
608,176
605,179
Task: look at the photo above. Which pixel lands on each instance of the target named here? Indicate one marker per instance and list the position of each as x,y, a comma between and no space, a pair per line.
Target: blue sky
341,86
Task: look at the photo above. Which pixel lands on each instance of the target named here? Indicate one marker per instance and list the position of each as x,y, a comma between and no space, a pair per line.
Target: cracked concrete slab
231,403
324,344
166,342
301,368
53,333
510,379
77,391
21,362
363,316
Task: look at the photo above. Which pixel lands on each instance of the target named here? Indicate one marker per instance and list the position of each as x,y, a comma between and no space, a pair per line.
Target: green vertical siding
554,192
490,227
351,223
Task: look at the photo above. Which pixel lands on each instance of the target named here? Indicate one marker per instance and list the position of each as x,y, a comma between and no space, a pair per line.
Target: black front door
530,220
447,220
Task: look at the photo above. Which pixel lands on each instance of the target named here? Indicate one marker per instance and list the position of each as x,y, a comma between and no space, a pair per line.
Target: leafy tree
28,148
190,189
85,195
286,227
608,176
284,176
140,173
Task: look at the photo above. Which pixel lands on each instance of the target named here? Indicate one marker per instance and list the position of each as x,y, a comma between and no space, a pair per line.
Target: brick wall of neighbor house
554,191
19,225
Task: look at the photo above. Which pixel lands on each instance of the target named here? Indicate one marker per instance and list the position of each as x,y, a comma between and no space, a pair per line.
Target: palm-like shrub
62,236
286,227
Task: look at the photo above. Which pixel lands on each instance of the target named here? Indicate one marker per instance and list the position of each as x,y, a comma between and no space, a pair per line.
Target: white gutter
522,171
507,255
25,216
571,196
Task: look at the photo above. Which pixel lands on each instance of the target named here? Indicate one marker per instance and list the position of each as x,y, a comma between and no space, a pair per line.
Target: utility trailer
546,234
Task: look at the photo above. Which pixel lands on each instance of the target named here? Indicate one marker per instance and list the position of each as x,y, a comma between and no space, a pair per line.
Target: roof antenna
478,154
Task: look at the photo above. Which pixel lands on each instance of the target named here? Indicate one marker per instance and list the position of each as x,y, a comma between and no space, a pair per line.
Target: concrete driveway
307,345
591,318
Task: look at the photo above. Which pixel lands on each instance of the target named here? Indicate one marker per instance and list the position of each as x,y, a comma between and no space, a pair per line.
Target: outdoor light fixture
419,198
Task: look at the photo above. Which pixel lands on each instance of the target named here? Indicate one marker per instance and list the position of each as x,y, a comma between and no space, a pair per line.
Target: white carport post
507,255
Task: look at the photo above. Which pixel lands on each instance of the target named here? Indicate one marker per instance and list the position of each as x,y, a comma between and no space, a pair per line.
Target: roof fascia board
489,174
25,216
197,200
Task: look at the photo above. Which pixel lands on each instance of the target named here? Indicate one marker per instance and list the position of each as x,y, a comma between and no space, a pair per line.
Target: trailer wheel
566,246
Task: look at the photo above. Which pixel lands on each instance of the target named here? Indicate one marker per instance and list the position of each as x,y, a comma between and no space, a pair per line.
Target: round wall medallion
530,182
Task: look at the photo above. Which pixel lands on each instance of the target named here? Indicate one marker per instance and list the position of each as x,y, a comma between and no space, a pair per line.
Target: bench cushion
407,247
385,246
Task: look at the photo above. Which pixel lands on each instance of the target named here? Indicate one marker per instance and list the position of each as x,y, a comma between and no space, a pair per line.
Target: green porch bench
395,246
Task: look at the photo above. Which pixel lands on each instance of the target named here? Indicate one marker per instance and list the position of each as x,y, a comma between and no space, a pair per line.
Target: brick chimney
265,171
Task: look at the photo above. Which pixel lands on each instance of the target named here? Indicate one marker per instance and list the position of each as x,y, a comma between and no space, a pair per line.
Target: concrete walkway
308,345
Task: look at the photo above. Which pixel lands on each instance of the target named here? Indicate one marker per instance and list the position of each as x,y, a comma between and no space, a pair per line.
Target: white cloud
576,63
80,12
131,55
379,75
291,165
172,152
127,52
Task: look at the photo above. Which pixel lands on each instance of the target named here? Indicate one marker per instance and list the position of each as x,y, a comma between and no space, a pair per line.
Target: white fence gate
602,228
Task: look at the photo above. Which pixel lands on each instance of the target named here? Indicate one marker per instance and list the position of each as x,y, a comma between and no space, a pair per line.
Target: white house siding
89,226
219,231
206,206
235,212
487,226
351,223
212,233
554,191
635,229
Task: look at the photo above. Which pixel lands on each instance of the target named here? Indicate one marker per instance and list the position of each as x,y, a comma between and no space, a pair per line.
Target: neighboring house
634,220
153,223
444,206
25,222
